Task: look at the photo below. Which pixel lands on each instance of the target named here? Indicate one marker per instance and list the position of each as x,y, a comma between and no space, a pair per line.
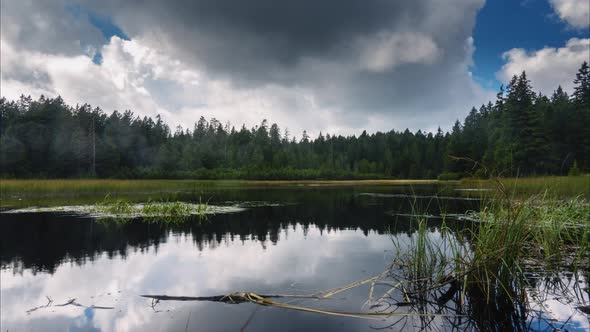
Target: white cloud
408,72
133,76
575,12
148,82
548,67
386,51
115,85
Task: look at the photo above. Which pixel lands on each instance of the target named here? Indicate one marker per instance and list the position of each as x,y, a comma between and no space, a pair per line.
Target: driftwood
263,300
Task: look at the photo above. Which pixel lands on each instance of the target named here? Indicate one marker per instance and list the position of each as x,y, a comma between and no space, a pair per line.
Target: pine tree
581,127
582,89
524,126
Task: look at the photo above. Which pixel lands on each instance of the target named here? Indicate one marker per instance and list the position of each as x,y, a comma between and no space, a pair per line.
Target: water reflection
322,240
302,262
85,322
41,241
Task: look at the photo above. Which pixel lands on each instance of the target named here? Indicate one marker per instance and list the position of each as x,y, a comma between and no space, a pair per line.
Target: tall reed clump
428,257
488,258
497,245
540,232
563,232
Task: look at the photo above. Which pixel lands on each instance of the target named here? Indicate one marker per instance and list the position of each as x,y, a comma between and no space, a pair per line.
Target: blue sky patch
506,24
106,25
103,23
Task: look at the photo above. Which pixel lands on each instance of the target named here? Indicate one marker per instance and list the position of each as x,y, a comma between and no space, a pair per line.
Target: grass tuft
170,212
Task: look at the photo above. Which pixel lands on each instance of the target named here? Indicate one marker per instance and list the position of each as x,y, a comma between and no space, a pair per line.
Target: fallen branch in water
240,297
49,301
69,302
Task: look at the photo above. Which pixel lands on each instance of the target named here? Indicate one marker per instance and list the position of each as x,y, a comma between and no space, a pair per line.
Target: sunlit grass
560,186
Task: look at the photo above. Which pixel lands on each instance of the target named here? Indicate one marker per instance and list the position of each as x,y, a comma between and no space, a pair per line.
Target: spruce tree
581,99
524,126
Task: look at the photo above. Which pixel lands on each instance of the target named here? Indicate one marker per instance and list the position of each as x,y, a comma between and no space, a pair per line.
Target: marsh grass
15,193
489,260
33,187
89,186
121,210
558,186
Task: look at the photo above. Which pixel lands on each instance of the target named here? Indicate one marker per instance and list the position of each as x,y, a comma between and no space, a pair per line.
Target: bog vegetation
521,133
166,211
513,249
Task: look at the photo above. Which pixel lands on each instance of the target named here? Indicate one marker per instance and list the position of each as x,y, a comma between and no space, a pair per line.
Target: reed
489,258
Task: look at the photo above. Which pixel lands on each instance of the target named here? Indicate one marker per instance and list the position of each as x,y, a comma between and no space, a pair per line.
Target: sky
330,66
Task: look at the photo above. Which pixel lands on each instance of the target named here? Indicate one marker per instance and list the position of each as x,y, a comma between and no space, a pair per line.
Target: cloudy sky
337,66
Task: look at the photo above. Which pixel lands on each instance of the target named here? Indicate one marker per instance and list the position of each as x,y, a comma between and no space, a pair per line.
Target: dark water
313,239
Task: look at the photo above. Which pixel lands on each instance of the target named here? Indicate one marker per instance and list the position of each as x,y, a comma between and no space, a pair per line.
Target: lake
65,271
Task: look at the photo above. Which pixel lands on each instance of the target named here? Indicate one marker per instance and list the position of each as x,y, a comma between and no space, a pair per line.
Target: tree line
522,133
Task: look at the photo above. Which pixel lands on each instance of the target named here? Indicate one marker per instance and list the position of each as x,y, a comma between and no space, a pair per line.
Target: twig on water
69,302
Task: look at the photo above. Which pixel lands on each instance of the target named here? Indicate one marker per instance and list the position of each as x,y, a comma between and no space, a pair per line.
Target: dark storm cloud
381,56
405,62
263,38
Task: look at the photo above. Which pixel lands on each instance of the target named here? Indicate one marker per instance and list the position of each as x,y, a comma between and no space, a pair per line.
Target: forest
521,133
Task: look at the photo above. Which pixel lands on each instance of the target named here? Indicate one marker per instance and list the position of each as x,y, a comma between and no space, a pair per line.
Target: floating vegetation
432,197
151,211
255,204
468,216
121,210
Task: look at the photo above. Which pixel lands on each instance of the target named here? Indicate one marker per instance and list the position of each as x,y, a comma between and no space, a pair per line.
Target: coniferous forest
521,133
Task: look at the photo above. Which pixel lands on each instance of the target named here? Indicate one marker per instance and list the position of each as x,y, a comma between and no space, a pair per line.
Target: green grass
90,186
171,212
25,193
560,186
489,258
94,186
556,185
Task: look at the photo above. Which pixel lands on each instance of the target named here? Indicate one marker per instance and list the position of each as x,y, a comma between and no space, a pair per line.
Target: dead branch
69,302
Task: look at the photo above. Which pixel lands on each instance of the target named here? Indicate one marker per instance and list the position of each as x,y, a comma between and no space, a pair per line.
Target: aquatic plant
486,261
164,211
